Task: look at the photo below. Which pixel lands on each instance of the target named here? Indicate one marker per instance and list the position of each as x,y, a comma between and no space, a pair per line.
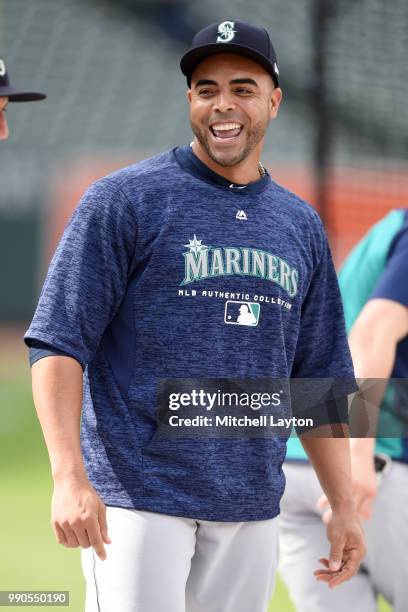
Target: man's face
4,131
232,100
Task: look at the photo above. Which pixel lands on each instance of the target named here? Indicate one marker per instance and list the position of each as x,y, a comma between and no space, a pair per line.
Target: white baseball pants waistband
161,563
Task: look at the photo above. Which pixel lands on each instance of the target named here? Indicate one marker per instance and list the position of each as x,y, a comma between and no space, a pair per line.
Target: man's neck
247,171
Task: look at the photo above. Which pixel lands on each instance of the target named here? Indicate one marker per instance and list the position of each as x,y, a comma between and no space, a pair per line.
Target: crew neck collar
189,161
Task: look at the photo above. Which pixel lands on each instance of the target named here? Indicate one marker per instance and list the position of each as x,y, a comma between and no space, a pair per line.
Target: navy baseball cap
15,95
231,37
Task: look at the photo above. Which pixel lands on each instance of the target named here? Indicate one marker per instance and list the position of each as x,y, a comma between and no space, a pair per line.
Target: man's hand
78,515
331,459
347,548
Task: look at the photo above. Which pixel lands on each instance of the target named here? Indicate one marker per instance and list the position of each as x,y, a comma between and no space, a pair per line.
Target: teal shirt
377,267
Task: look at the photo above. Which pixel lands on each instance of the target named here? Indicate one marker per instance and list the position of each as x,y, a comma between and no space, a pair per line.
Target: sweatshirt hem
190,512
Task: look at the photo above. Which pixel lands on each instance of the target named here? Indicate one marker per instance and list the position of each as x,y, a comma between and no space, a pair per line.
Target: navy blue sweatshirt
167,275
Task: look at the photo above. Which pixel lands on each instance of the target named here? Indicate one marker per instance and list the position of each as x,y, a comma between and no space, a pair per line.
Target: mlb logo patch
2,68
242,313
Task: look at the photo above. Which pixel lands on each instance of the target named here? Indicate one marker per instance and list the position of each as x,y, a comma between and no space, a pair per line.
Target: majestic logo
241,215
226,31
2,68
202,261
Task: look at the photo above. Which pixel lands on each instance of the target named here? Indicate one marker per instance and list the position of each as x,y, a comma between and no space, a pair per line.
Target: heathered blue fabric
112,300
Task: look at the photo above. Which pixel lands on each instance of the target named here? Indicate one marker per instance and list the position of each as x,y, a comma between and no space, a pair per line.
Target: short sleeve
393,283
39,349
322,350
88,274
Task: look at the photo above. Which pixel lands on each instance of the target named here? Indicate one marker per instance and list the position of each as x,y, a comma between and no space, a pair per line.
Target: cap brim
194,57
14,95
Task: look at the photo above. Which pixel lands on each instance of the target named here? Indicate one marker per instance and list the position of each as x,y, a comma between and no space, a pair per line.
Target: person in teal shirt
374,287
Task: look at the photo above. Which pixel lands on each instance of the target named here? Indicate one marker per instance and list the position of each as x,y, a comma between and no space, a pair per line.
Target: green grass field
31,559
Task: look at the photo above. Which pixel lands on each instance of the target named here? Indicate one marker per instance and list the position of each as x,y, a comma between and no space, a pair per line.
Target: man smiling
192,520
231,135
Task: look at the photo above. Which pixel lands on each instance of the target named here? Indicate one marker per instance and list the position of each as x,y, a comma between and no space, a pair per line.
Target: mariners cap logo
2,68
226,32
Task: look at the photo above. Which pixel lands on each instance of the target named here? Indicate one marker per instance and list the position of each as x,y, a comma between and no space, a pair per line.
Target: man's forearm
373,348
330,458
57,393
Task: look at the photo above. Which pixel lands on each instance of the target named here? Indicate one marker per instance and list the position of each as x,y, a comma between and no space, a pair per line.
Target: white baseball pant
303,541
161,563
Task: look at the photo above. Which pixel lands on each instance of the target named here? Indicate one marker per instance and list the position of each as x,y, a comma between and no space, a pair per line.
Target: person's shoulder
399,232
137,176
299,209
124,186
118,192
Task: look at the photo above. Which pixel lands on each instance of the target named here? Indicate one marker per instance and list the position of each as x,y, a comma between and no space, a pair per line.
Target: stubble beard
231,159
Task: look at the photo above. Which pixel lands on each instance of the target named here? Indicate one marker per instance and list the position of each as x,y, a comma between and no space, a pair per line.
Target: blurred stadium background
116,95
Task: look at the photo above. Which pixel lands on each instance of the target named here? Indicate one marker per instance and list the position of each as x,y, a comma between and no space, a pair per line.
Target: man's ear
276,99
188,94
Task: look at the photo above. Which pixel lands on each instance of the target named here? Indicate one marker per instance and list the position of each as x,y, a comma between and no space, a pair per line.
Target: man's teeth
226,131
226,126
